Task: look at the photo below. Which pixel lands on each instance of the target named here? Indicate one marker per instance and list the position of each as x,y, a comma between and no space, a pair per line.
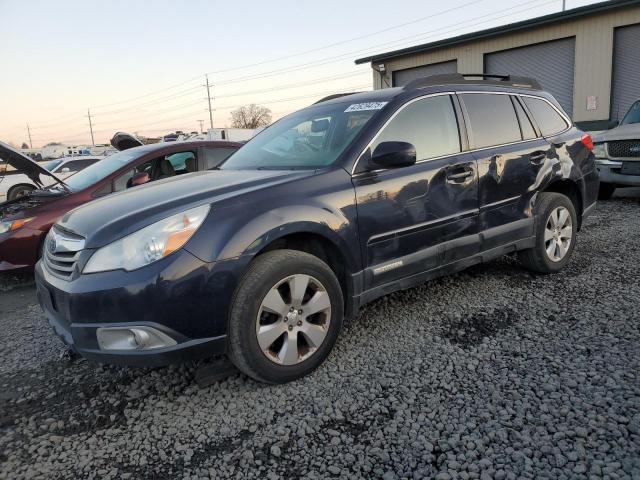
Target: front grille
624,149
61,252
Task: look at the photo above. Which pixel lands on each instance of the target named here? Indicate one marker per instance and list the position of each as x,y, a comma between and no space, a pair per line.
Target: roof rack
473,78
335,95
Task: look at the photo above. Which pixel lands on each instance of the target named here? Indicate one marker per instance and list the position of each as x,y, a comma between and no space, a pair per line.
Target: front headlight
11,225
148,244
598,150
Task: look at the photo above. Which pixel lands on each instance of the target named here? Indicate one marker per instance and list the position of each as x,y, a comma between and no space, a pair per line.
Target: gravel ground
491,373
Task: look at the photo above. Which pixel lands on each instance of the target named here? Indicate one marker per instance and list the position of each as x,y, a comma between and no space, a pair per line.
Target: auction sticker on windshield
361,107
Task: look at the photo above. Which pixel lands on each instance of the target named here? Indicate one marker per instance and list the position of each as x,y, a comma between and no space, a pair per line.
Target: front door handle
537,157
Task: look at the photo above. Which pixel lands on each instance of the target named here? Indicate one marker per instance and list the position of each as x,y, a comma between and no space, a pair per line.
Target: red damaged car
25,221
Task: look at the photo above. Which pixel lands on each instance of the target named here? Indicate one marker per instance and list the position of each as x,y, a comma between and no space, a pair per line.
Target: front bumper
609,171
19,249
180,296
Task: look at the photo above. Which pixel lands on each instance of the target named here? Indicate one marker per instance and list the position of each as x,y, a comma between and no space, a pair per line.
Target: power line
312,64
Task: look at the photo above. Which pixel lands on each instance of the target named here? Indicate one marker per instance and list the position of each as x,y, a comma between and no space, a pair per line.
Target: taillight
587,141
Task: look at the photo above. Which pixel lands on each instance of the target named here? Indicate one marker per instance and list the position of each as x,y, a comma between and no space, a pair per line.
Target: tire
250,313
19,191
538,258
606,191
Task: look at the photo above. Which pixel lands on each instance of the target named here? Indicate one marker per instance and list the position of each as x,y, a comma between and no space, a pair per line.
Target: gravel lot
491,373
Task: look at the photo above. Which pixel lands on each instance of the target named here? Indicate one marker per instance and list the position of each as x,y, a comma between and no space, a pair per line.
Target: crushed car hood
115,216
24,164
621,132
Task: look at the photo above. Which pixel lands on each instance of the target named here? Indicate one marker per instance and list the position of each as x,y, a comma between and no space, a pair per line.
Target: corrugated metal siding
626,70
551,63
402,77
593,56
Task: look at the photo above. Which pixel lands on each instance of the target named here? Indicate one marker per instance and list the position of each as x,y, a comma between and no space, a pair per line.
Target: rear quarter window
493,119
549,121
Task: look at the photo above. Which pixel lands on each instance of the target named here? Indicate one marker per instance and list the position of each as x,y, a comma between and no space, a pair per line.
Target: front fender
244,229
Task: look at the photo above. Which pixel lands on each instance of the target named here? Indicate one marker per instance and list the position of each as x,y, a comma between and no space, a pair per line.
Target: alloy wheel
558,234
293,319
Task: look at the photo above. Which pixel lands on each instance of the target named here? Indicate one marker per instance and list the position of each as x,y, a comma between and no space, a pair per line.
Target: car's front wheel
555,234
285,316
19,191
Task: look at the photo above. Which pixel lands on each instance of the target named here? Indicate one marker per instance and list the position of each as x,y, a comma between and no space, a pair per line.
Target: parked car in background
25,221
618,154
325,210
14,184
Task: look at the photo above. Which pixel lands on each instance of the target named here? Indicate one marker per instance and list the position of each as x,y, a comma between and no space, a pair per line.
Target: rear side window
493,119
548,119
525,124
429,124
213,157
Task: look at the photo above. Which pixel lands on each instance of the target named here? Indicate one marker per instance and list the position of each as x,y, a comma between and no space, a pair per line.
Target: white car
14,185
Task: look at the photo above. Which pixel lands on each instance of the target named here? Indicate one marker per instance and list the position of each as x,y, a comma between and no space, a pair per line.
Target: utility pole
29,133
209,98
91,127
201,122
564,4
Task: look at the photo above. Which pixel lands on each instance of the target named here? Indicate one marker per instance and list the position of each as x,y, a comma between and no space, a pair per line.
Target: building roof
503,29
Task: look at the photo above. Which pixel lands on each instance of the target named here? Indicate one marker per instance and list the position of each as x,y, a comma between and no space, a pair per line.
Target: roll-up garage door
626,64
551,63
402,77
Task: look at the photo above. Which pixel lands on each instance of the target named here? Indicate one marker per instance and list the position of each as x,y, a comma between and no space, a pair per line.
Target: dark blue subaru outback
331,207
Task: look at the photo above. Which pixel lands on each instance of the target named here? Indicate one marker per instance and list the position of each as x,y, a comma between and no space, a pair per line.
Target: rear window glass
493,119
548,119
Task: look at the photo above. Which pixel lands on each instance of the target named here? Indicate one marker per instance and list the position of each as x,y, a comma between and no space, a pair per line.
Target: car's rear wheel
285,316
18,191
555,234
606,191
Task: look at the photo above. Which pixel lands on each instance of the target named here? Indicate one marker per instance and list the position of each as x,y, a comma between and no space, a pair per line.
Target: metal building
587,57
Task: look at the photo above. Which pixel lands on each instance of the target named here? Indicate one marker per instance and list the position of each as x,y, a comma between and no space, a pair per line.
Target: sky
140,66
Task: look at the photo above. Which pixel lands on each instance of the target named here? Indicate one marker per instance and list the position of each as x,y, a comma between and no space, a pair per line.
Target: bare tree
251,116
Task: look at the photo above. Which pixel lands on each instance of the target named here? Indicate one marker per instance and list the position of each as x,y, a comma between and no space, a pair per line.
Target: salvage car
25,221
329,208
14,184
618,154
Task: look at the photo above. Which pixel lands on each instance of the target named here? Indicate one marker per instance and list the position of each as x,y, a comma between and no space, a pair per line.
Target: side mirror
393,155
140,178
65,170
613,124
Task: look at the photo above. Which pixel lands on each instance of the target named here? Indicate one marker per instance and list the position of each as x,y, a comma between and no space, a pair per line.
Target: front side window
493,119
548,119
429,124
633,115
310,138
213,157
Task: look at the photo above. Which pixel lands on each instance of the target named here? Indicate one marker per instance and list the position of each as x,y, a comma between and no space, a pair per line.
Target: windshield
96,172
311,138
50,165
633,115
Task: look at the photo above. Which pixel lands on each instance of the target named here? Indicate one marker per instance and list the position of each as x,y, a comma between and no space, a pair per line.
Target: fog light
132,338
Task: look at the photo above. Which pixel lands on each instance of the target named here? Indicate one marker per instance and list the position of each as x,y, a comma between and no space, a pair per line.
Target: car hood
115,216
24,164
621,132
125,141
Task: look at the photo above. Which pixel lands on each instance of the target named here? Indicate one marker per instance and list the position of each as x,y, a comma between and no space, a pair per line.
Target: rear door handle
537,157
460,176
